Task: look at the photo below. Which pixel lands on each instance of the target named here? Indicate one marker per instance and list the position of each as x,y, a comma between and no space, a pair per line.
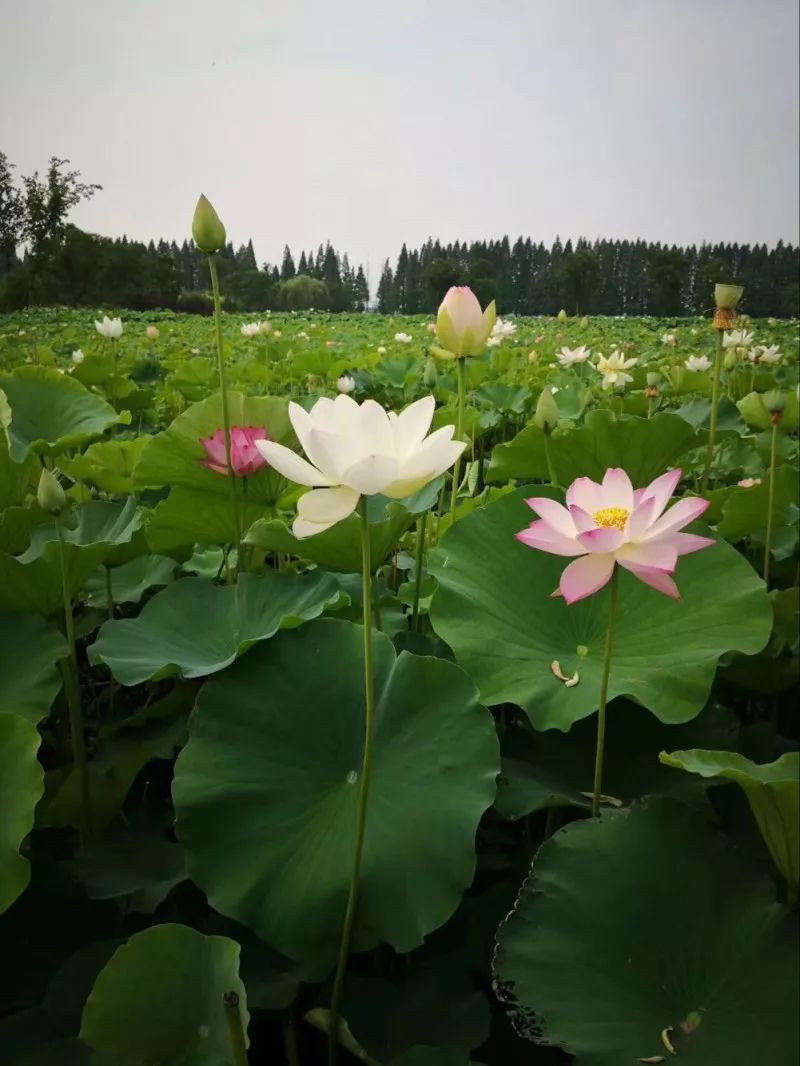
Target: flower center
612,517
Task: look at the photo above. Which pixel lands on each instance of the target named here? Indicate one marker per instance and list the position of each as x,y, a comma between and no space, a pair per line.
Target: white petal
371,474
375,429
326,507
411,425
290,464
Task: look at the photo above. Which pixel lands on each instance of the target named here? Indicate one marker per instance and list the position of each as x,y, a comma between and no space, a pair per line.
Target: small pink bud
245,457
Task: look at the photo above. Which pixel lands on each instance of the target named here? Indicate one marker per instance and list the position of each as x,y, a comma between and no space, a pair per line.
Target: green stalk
418,556
601,710
550,468
461,376
77,737
112,685
712,426
773,449
233,1019
223,387
363,792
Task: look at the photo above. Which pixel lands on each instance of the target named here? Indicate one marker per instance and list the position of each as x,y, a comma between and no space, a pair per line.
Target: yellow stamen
612,518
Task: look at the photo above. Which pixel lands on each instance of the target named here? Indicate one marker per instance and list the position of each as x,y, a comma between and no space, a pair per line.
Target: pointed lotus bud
50,495
584,322
461,327
547,414
207,229
731,358
562,315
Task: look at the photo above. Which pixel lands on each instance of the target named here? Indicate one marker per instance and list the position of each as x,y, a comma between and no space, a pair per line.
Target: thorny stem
461,377
419,555
601,710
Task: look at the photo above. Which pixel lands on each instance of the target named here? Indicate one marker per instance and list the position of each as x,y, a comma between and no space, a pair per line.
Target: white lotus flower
763,354
302,335
78,357
503,329
698,362
492,342
109,327
669,338
613,368
359,449
569,356
403,338
381,350
345,384
737,338
250,329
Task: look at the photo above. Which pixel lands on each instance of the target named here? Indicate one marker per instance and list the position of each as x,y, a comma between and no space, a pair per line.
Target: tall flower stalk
726,297
775,418
461,378
209,236
600,743
363,790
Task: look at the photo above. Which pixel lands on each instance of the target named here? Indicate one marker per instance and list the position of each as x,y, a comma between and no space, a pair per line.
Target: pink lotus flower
245,457
749,482
615,523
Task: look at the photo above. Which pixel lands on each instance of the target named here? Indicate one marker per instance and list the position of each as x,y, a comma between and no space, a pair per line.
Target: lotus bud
726,297
152,333
584,322
653,379
731,358
429,377
533,356
547,414
207,229
50,495
562,315
772,321
461,327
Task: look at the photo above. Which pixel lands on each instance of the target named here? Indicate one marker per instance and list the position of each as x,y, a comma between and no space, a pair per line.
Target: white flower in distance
403,338
613,368
767,355
570,356
737,338
78,357
250,329
345,384
503,329
359,450
493,342
698,362
381,350
109,327
670,339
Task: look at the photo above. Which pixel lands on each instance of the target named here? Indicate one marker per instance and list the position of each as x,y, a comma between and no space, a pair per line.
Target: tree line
603,277
61,264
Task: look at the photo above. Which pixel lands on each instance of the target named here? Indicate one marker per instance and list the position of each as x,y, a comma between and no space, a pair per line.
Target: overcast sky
370,123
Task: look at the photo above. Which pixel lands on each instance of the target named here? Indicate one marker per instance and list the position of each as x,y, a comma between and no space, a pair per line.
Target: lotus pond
463,736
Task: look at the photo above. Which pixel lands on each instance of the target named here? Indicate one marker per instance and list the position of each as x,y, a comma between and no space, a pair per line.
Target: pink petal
542,536
617,490
586,494
642,517
662,489
679,515
686,543
585,576
654,577
214,466
555,514
603,539
215,446
662,554
581,519
638,496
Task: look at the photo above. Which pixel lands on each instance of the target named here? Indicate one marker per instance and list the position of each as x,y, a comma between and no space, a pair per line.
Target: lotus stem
290,1043
363,793
712,425
418,557
226,418
551,473
112,685
233,1018
461,377
601,710
773,450
72,687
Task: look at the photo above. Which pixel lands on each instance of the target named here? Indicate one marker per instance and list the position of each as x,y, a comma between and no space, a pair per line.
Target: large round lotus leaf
108,464
643,921
339,548
645,447
130,581
553,769
194,516
17,480
32,581
495,610
194,627
50,412
159,999
21,787
29,652
773,791
745,511
175,456
266,788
